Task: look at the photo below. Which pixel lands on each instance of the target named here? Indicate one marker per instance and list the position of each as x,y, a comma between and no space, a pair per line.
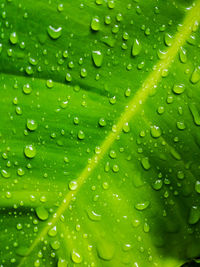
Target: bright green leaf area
99,133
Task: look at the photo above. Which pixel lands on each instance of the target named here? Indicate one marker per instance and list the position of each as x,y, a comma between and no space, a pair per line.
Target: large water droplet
30,151
195,113
194,215
136,48
95,23
93,215
13,38
76,256
97,58
42,213
155,131
54,33
142,205
105,250
195,77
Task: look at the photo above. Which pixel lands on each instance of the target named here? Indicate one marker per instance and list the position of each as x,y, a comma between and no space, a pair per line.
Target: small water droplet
183,55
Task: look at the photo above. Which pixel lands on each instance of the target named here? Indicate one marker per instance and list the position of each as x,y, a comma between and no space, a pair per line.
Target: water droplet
42,213
55,244
146,227
168,39
105,250
180,175
145,163
95,23
178,88
194,215
27,89
52,232
102,122
180,125
73,185
126,127
31,125
93,215
183,55
49,83
157,185
197,187
195,113
81,135
136,47
13,38
112,154
54,33
142,205
97,58
155,131
76,256
30,151
195,77
62,263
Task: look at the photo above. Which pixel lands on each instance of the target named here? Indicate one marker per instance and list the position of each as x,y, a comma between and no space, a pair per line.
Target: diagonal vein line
131,109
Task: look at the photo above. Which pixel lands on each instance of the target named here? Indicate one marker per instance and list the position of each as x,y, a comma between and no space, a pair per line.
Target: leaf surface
99,133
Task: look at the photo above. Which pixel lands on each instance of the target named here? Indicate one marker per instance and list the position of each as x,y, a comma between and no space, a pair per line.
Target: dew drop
197,187
178,88
27,89
183,55
155,131
136,47
195,77
30,151
97,58
142,205
76,256
54,33
93,216
145,163
13,38
81,135
73,185
194,215
95,23
42,213
105,250
195,113
31,124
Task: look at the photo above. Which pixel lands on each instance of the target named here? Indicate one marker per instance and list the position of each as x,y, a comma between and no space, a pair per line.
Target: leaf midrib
130,110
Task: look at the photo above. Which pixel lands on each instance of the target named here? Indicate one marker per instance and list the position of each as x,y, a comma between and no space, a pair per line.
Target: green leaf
99,133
